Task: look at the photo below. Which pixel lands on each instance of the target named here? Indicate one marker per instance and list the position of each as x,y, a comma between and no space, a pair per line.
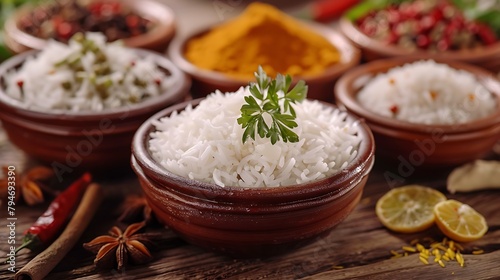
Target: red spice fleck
394,109
20,83
158,81
433,94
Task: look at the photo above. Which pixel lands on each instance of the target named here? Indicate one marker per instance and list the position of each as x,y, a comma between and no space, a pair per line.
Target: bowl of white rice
253,199
77,106
425,113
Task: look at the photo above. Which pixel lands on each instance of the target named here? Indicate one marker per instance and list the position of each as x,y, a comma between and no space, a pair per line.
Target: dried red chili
49,224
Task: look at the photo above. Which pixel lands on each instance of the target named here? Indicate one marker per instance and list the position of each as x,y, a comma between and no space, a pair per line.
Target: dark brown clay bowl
419,145
486,57
248,222
320,86
156,39
83,140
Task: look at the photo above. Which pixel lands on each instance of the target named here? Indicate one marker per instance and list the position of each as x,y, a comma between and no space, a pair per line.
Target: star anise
119,247
30,184
135,208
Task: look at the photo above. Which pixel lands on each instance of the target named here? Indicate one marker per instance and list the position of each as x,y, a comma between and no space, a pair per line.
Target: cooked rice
42,81
429,93
204,143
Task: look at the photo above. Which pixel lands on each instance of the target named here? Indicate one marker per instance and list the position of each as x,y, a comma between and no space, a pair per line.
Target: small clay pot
156,39
486,57
420,145
83,140
253,222
320,86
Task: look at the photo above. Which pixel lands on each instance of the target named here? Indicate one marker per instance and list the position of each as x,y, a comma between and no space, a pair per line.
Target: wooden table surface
360,244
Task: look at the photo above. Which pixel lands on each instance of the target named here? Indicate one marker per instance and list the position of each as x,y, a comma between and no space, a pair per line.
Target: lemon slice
409,208
459,221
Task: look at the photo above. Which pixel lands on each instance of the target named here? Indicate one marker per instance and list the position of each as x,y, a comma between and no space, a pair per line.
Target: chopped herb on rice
86,75
204,144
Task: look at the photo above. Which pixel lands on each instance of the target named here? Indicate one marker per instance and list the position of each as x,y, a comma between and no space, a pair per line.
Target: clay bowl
99,141
156,39
372,49
418,145
320,86
248,222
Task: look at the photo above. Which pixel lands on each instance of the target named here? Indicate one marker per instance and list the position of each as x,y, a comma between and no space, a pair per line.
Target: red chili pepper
326,10
48,225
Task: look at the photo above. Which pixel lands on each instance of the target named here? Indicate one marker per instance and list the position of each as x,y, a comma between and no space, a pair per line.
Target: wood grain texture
360,244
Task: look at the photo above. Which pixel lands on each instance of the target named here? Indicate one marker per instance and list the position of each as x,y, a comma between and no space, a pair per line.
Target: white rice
427,92
205,144
42,80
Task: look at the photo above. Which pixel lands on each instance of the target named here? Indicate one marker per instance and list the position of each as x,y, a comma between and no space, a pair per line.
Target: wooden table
359,248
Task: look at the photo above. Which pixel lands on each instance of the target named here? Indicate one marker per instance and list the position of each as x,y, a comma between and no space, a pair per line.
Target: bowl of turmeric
225,56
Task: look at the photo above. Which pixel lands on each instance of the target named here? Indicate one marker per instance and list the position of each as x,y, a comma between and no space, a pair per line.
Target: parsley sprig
271,97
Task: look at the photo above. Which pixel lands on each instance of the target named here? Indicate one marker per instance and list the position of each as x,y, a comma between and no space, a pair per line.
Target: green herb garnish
272,98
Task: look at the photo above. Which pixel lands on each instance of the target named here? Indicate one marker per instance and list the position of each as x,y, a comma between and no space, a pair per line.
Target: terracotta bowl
83,140
249,222
372,49
419,145
320,86
156,39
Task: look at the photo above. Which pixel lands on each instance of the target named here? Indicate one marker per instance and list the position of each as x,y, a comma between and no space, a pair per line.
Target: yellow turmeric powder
264,36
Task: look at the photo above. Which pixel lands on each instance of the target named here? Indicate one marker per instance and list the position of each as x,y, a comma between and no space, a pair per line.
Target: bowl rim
345,96
161,14
351,31
180,85
349,52
353,173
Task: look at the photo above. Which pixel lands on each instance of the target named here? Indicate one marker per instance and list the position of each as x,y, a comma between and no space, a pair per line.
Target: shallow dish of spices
145,24
425,113
77,106
456,30
223,57
258,191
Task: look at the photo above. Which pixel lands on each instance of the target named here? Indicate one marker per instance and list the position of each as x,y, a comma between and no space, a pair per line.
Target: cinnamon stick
44,262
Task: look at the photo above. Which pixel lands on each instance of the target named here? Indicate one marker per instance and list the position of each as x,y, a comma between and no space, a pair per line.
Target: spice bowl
320,85
249,222
97,141
417,145
157,38
372,49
